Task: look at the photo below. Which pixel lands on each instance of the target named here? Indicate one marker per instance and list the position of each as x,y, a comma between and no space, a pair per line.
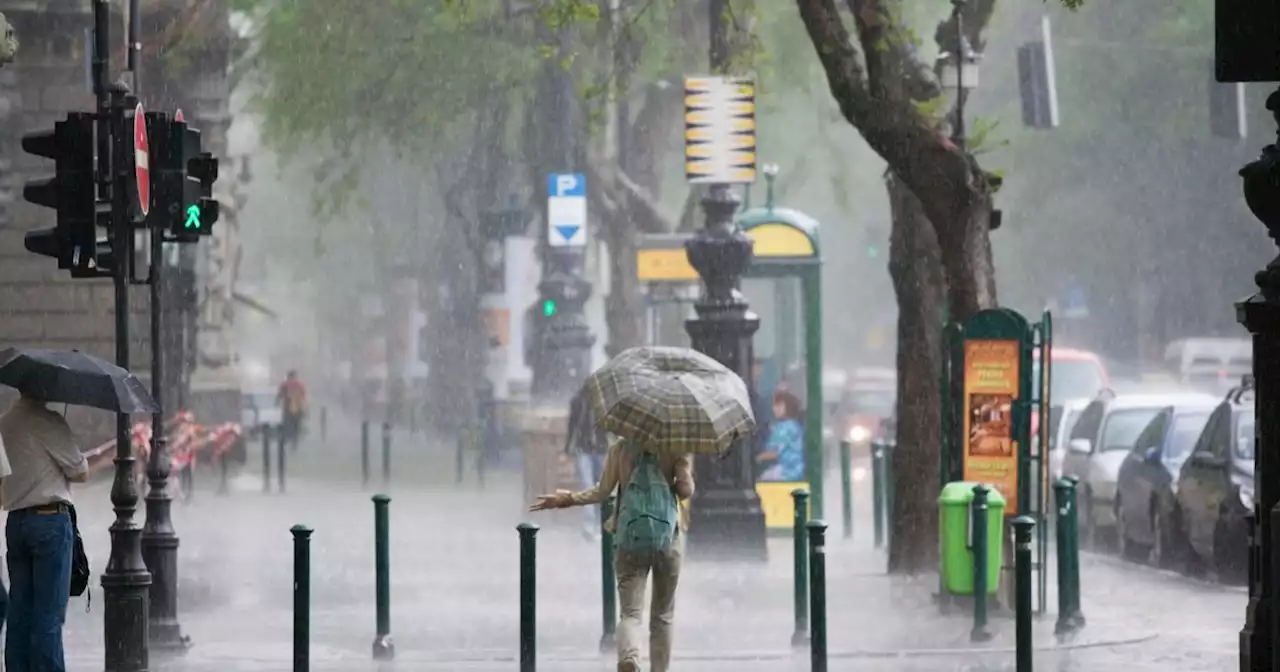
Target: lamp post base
728,526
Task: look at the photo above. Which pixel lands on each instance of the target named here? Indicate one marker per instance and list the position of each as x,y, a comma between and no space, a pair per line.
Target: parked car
1075,374
870,397
1214,365
1148,478
260,409
1062,417
1100,440
1215,489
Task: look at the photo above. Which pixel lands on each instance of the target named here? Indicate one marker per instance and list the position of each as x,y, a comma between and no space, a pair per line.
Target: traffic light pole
126,579
159,539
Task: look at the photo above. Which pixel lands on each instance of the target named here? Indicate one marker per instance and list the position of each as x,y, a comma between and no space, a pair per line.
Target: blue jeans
590,469
40,586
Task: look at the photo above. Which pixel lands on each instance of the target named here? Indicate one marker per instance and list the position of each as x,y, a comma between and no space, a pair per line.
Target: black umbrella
72,377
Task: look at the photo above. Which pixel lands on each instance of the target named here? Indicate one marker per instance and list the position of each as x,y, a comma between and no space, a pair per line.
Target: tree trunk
916,269
967,261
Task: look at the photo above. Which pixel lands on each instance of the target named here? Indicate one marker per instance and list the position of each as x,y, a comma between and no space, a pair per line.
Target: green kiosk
783,286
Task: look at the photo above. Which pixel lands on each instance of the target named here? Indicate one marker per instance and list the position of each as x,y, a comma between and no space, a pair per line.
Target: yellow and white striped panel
719,130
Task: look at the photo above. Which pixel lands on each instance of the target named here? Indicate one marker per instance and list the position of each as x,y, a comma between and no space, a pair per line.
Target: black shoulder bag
79,561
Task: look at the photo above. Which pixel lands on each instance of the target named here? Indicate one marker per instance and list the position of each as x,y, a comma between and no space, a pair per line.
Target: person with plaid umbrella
665,404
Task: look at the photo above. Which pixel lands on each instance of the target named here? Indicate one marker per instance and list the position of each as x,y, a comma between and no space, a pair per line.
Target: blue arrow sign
568,231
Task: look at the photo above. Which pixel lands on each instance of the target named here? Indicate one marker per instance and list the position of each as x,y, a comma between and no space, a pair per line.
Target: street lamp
960,65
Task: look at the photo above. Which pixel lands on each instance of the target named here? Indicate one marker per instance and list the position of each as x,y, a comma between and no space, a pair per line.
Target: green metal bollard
878,495
978,544
1022,527
1070,618
817,596
280,461
383,647
364,453
800,501
301,597
890,488
266,458
386,453
846,487
608,582
528,595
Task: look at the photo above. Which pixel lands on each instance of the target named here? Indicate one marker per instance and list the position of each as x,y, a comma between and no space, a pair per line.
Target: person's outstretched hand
556,500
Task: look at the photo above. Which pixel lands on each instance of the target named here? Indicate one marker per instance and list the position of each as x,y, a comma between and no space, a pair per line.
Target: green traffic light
193,217
548,308
873,251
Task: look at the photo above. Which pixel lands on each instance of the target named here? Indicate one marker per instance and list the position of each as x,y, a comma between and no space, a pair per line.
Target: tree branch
886,115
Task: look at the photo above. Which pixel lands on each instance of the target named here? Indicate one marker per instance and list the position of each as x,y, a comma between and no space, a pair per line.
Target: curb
464,658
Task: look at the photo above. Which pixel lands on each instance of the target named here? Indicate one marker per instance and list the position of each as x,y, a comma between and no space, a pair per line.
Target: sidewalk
454,601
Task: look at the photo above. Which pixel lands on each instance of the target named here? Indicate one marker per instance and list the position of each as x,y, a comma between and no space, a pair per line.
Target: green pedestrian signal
873,251
193,217
548,308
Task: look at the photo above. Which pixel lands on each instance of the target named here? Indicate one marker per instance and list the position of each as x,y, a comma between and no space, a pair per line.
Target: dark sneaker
628,666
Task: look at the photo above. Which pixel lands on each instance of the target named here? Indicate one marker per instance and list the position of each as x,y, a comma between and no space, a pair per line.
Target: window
1087,424
1186,429
1123,427
1245,435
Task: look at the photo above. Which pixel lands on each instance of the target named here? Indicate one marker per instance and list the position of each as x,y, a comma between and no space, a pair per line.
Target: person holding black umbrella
39,534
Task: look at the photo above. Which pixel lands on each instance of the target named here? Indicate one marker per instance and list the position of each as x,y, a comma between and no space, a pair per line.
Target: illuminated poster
990,389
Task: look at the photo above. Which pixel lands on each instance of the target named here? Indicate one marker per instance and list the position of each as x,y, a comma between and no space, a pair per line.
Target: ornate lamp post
728,521
960,65
1260,314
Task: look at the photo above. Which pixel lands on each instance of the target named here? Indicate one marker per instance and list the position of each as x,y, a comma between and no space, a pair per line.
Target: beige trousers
633,573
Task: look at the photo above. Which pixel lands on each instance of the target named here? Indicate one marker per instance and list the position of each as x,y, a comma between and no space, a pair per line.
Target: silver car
1102,437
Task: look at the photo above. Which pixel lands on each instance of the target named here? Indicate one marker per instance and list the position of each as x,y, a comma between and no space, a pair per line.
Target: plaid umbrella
673,399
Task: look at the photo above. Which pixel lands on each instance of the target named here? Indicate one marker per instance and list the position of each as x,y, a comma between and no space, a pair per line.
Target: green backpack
648,513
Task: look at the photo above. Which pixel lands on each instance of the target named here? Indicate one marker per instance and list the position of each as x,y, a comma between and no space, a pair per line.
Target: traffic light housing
71,192
199,209
183,178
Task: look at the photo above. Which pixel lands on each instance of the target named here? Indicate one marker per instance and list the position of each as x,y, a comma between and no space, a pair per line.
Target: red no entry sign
141,160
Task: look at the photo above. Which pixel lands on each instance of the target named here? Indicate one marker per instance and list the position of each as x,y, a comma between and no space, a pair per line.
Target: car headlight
859,434
1246,498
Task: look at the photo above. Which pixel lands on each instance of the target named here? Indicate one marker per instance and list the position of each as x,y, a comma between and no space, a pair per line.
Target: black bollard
978,511
1022,527
280,461
528,595
608,581
817,596
386,453
266,458
800,503
301,597
383,648
222,474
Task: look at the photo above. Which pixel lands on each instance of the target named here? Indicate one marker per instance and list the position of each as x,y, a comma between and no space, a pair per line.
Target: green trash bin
953,534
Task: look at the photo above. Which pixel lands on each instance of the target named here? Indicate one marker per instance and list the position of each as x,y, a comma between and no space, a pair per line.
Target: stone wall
41,306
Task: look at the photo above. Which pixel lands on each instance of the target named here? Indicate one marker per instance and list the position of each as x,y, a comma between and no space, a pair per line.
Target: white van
1214,365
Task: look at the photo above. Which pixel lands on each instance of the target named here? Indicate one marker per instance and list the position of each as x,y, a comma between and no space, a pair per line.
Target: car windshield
1072,379
1123,427
1245,436
1186,429
877,402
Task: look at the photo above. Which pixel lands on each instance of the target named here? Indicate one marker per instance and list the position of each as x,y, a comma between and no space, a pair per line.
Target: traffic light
73,240
549,308
199,209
